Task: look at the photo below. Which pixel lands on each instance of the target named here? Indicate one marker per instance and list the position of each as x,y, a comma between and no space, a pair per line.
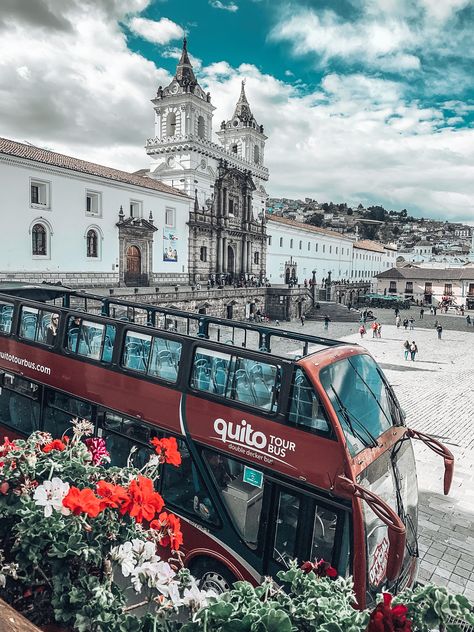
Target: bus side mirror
383,511
442,451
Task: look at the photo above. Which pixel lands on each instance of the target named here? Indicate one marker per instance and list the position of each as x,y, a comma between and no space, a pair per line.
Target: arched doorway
134,262
230,261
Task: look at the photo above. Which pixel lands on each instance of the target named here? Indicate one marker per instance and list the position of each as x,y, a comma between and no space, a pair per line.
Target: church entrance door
133,272
287,275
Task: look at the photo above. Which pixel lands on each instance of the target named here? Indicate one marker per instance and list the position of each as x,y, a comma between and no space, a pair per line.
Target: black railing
137,280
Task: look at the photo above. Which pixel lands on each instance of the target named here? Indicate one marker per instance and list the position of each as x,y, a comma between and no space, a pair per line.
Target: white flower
50,495
195,598
82,427
133,555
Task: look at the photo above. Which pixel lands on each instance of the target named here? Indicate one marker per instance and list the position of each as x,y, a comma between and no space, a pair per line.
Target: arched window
171,124
92,243
201,128
39,240
256,154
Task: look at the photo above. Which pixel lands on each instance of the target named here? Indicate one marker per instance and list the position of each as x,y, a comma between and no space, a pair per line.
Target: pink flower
97,449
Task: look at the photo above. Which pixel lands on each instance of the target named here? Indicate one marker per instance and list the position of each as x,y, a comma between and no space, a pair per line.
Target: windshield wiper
347,417
390,421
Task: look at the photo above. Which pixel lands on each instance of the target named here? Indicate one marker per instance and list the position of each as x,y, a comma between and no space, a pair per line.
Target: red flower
82,501
387,619
97,449
169,527
142,502
321,568
6,446
111,495
167,450
56,444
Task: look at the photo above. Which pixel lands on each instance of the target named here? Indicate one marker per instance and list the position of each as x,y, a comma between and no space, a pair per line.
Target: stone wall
70,279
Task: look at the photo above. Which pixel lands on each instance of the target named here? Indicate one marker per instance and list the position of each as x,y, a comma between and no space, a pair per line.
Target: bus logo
379,563
243,438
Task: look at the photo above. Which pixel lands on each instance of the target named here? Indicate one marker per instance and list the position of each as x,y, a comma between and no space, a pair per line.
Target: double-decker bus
293,446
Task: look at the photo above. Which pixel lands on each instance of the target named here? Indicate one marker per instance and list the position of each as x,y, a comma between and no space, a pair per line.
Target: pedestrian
413,350
422,311
405,323
397,321
468,320
362,331
439,329
277,323
412,323
397,311
374,326
302,319
406,346
434,311
379,330
326,322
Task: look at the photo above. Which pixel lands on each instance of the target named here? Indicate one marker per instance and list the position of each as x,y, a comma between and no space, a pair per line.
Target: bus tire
212,575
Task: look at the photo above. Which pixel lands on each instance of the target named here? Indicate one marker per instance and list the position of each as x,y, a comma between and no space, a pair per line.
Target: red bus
293,446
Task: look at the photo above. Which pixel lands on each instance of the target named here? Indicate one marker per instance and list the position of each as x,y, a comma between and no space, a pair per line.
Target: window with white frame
40,193
135,208
93,203
92,239
281,242
170,217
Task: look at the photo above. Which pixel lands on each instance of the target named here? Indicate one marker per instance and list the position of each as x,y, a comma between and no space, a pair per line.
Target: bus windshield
361,400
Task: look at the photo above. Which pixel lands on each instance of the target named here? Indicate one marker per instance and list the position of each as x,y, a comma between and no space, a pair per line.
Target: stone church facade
227,231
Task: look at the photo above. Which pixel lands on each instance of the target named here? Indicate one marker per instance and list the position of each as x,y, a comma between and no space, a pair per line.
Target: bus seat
243,392
263,395
220,379
28,326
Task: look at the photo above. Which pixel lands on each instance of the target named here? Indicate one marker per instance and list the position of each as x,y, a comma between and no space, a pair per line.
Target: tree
350,211
316,220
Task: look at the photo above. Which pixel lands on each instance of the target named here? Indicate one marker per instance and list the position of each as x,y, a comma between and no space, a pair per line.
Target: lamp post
313,287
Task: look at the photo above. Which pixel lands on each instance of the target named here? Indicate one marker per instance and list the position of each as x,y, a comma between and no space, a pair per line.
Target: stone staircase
335,311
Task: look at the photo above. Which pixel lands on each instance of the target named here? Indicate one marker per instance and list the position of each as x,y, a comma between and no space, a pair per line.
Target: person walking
398,321
439,329
412,323
362,331
468,320
397,311
405,323
422,311
374,327
302,320
326,322
413,350
379,330
406,347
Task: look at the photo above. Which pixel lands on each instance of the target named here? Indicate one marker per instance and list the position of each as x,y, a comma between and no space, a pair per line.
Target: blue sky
362,100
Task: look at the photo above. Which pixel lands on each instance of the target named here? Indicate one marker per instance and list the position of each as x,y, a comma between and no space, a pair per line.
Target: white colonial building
371,257
85,224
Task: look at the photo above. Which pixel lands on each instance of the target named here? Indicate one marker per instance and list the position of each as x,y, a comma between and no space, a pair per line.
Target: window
159,357
39,193
256,257
40,325
121,435
183,487
324,530
242,500
6,315
309,245
448,289
60,410
324,248
428,287
269,240
256,154
306,410
135,208
19,405
39,237
337,250
93,203
90,339
234,149
291,243
92,244
301,244
201,127
316,247
409,287
330,249
393,287
203,253
171,124
170,217
281,242
471,289
241,379
284,549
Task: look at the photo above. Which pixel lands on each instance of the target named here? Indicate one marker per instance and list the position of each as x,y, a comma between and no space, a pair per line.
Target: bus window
6,314
108,343
242,500
305,408
284,548
183,487
19,406
90,339
136,351
121,435
210,371
165,357
39,325
60,410
324,531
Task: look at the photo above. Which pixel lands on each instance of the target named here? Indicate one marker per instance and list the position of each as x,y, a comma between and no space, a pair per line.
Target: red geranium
321,568
169,527
142,502
6,446
82,501
98,450
56,444
167,450
111,495
387,619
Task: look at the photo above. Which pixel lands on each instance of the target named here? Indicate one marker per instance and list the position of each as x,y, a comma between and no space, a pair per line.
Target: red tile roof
310,227
30,152
367,244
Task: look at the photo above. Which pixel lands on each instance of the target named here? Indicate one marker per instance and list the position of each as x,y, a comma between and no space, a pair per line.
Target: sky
367,101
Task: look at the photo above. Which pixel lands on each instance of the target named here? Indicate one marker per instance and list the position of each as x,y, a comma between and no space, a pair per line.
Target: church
227,237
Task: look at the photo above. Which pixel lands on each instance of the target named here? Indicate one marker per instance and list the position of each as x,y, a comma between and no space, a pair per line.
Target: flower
98,450
321,568
169,528
56,444
167,450
50,495
132,554
82,501
111,495
384,618
143,502
82,427
7,446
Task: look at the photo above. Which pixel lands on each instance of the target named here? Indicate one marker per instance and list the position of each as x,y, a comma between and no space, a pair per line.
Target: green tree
316,220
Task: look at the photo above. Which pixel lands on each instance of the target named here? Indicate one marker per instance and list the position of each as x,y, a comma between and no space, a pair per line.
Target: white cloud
162,31
230,6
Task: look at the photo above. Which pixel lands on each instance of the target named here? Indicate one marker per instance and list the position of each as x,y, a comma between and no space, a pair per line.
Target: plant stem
137,605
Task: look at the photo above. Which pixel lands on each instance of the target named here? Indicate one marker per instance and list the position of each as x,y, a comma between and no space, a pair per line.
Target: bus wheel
212,575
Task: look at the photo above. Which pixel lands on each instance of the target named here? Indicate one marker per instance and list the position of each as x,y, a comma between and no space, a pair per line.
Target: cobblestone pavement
437,394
